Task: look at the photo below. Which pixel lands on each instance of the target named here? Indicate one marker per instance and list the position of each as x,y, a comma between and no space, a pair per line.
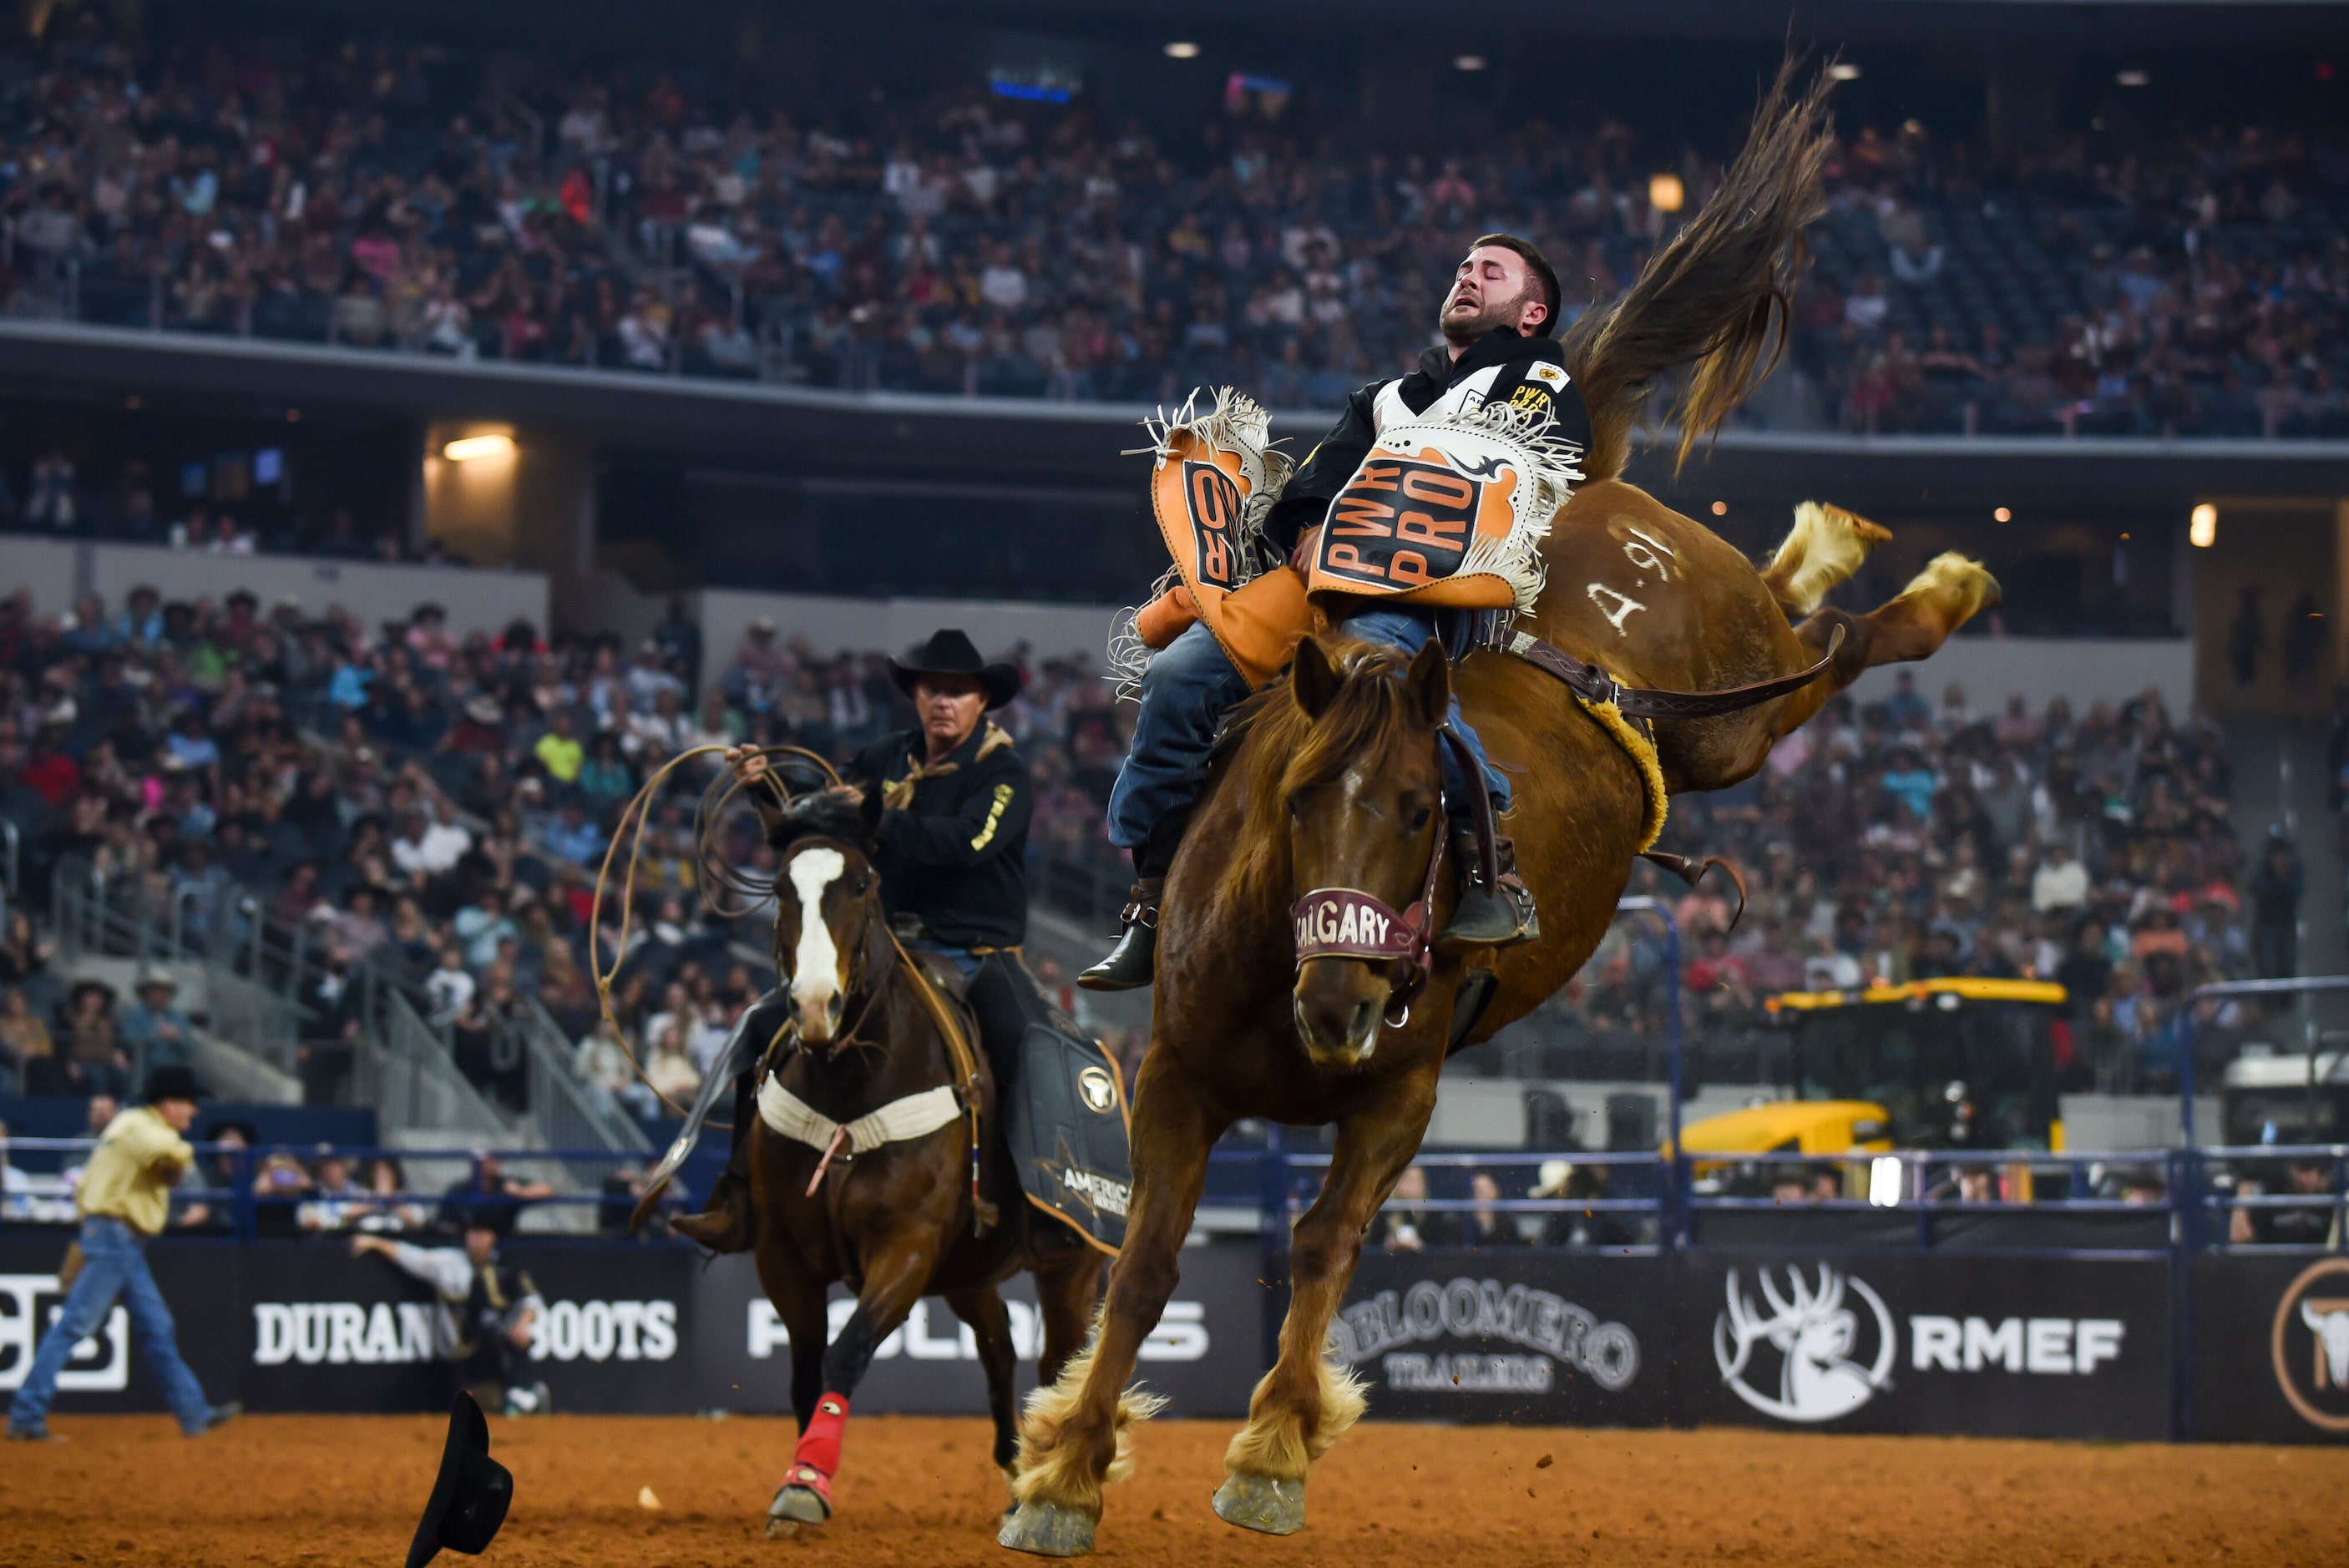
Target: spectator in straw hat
153,1028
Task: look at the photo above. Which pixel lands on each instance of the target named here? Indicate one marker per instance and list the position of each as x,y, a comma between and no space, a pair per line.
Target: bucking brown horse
1333,790
863,1162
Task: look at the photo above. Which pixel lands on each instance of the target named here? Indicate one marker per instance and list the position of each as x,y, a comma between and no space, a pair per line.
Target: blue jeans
1184,693
962,958
114,1264
1411,629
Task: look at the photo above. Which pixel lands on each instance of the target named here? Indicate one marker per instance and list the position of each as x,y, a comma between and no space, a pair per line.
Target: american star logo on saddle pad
1096,1193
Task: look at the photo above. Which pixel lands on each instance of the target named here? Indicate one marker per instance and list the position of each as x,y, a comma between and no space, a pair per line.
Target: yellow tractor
1961,1063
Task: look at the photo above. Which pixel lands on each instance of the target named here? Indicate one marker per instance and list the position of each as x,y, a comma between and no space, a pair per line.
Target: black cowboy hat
951,653
470,1496
173,1083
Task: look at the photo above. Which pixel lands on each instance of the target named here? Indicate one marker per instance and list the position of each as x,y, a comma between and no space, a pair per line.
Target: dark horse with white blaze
1334,786
873,1184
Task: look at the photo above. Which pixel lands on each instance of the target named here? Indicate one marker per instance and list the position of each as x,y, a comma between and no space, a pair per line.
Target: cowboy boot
1133,962
724,1224
1501,915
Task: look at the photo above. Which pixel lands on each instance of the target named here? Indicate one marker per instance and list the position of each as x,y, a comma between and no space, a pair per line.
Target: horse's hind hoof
1048,1530
798,1510
1260,1502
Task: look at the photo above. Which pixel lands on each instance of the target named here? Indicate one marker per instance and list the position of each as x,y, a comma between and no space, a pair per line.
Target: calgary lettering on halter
1342,922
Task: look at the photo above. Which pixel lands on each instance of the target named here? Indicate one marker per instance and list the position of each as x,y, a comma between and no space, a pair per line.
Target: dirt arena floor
288,1489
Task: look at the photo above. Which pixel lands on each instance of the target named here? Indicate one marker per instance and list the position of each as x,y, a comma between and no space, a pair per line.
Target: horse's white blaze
815,965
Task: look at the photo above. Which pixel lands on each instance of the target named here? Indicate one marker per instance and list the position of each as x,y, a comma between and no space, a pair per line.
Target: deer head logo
1815,1334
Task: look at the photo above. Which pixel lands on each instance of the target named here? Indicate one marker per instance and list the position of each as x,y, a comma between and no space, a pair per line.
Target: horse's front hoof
797,1511
1260,1502
1048,1530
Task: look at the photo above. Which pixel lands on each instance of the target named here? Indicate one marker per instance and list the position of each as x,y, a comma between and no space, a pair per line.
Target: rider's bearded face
1494,287
950,707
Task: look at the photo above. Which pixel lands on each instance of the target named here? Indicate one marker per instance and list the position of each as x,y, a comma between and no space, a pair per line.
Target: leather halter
1648,702
1346,923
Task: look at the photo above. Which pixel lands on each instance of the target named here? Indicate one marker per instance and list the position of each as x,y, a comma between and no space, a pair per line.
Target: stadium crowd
1909,840
429,809
972,242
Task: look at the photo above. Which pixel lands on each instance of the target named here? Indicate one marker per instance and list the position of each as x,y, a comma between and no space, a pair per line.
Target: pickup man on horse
951,852
1497,323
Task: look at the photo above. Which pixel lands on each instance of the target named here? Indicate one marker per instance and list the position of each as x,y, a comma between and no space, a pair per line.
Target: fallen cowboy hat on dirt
470,1496
952,653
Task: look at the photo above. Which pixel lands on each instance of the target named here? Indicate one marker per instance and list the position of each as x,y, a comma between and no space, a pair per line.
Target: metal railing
252,964
402,1068
229,1196
256,966
566,1113
2211,1220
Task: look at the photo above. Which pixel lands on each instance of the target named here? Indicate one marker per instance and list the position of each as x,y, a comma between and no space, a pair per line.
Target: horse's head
827,907
1364,795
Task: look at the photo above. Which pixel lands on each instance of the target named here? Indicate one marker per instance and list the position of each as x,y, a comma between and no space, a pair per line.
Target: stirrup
1501,916
1133,962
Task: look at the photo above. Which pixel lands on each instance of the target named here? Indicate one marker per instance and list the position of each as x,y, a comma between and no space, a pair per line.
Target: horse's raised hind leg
893,1284
1075,1437
1949,593
1305,1403
990,1325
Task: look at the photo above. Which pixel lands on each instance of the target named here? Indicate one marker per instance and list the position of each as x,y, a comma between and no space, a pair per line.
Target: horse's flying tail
1720,293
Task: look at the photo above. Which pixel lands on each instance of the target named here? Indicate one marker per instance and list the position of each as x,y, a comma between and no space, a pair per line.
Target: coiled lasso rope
715,798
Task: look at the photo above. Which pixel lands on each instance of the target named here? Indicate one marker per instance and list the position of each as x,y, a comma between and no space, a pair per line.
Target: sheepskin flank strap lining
899,1122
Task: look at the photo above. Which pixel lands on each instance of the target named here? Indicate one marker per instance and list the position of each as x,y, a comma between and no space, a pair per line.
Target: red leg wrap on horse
819,1448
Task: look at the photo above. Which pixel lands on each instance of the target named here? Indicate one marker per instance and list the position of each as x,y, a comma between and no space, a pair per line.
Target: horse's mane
821,814
1719,293
1289,752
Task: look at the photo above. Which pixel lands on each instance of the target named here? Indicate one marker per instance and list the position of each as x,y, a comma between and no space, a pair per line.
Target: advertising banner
627,1329
1912,1342
1528,1336
198,1283
1204,1356
2270,1348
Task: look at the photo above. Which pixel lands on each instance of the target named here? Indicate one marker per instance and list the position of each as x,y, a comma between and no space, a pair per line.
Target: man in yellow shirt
125,1197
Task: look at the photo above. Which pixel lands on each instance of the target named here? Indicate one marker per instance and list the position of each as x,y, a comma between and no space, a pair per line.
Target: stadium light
1665,192
1468,62
1183,49
2134,79
1843,71
466,449
2203,527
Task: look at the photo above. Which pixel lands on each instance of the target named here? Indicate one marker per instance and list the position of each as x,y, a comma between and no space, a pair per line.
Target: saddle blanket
1061,1103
